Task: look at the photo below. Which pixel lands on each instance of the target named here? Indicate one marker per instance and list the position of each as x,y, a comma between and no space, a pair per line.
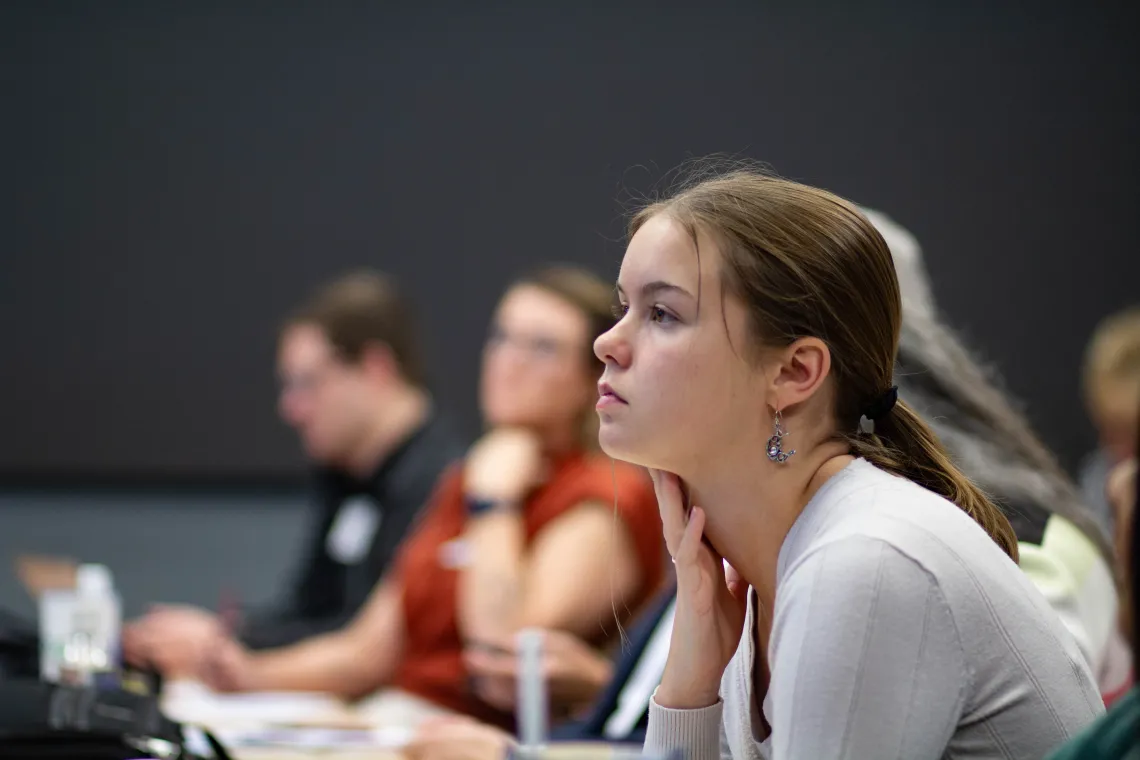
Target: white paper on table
317,738
188,702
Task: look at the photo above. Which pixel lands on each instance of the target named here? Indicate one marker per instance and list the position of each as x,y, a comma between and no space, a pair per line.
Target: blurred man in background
1111,379
1116,736
352,385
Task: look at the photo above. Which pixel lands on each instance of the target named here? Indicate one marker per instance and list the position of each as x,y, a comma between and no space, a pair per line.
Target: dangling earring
775,444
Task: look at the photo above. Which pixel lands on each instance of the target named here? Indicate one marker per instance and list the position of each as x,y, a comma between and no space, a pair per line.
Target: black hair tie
879,409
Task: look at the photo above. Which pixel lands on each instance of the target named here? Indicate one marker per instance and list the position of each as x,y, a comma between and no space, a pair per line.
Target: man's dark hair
362,308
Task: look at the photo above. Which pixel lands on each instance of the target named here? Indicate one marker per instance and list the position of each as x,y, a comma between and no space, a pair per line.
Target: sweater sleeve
866,658
693,734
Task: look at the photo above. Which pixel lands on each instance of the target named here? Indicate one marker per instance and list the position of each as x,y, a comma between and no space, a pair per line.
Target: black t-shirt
358,525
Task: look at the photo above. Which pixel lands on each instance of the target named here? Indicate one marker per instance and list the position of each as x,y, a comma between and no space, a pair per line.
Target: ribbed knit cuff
695,733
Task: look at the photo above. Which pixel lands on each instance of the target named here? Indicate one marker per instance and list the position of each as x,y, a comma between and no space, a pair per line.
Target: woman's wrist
685,695
478,505
256,676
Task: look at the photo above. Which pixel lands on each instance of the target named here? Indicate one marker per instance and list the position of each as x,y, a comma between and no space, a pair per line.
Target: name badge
455,554
353,529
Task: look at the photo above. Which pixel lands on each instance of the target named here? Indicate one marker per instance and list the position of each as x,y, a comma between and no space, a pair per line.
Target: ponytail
804,262
903,444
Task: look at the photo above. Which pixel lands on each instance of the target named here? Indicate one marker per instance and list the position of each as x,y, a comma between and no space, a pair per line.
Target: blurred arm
580,568
350,662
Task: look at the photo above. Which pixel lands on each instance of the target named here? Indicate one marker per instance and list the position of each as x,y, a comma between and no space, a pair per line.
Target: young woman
1061,548
523,533
842,589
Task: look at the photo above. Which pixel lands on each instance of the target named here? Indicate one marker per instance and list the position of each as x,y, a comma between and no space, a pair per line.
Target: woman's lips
607,397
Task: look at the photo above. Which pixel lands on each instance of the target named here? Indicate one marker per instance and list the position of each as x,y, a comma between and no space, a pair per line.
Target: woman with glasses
534,528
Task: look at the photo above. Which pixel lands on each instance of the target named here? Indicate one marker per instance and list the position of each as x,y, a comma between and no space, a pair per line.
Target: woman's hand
711,601
457,738
575,674
504,465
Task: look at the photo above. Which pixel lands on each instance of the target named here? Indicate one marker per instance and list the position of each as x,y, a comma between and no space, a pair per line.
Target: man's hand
172,639
228,666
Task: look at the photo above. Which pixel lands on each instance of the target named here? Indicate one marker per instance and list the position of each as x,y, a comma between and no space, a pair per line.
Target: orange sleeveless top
429,565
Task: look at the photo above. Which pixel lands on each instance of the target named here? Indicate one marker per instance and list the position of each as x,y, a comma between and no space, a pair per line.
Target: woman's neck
752,504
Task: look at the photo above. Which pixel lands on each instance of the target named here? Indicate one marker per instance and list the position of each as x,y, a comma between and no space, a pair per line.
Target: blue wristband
477,506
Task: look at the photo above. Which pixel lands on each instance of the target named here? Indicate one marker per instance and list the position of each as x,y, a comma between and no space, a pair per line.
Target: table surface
249,753
229,713
568,751
222,714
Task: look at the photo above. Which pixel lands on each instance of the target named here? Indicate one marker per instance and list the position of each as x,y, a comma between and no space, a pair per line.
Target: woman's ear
798,371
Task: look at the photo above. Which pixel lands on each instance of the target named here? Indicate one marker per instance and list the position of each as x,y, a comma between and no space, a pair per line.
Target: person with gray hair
1063,550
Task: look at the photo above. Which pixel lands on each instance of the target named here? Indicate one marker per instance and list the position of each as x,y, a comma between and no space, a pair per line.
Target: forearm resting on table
329,663
351,662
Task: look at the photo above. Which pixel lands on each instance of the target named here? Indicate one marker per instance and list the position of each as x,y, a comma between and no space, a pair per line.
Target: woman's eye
658,314
619,310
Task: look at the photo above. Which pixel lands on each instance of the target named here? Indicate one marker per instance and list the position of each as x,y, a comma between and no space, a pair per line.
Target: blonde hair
1112,364
805,262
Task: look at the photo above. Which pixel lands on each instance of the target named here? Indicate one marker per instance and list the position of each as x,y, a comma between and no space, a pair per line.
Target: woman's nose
612,348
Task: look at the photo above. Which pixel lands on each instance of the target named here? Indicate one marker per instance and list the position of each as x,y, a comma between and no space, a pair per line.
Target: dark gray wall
160,547
175,176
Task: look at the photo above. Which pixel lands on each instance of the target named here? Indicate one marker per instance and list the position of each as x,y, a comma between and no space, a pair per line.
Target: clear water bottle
55,629
91,652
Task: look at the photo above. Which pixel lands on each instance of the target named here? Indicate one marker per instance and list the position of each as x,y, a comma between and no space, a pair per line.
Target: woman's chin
619,445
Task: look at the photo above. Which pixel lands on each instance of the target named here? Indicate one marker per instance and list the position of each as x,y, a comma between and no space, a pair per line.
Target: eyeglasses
540,347
305,381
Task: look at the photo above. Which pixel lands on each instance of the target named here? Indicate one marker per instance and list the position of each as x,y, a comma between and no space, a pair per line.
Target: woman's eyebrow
650,289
